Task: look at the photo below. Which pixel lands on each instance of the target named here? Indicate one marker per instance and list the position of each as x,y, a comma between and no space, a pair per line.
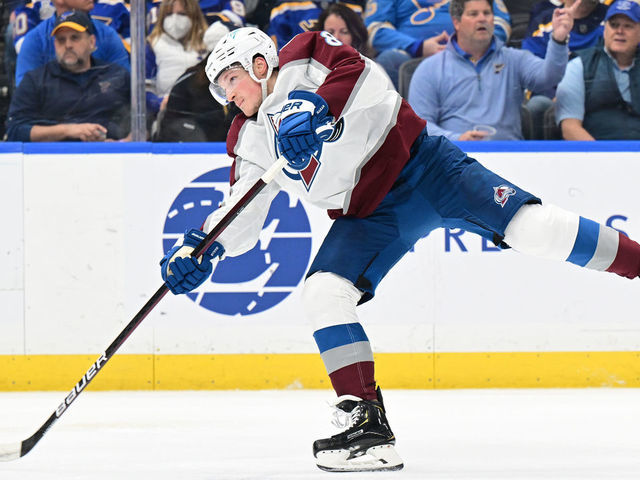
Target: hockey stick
12,451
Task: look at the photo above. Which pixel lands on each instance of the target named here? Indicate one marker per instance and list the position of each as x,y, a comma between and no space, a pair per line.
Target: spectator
25,18
226,10
22,19
403,29
520,15
76,96
477,80
289,18
346,25
258,12
114,13
599,96
586,31
191,113
175,44
37,48
232,11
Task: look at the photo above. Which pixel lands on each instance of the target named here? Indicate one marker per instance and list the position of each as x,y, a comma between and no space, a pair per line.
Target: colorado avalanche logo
330,133
502,193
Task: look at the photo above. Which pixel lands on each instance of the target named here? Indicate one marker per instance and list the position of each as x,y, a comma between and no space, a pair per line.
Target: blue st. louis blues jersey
27,16
585,32
230,11
289,18
114,13
404,24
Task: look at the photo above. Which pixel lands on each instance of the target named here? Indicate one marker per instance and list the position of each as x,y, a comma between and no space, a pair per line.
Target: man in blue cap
599,96
38,49
75,97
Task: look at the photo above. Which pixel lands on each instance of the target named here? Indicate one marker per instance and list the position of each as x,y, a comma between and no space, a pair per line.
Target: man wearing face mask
75,97
38,49
175,44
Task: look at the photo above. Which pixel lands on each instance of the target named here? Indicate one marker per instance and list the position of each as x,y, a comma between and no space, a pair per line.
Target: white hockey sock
550,232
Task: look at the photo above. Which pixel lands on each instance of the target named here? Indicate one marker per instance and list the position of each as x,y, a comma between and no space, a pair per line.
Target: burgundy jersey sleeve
232,140
345,65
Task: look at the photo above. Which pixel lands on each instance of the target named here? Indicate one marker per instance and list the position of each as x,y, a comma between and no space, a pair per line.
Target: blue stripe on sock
338,335
586,242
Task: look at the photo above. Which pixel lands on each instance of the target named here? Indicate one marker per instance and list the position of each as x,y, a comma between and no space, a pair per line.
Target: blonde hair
194,39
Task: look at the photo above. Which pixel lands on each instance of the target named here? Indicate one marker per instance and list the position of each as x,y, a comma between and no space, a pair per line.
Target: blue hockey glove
298,138
182,272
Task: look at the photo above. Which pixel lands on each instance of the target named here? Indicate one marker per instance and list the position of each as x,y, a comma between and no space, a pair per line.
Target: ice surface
267,435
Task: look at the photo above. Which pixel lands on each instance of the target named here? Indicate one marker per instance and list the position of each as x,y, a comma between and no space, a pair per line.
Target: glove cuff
194,237
321,108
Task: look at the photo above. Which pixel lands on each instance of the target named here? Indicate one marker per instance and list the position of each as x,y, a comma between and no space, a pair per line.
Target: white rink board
11,255
92,242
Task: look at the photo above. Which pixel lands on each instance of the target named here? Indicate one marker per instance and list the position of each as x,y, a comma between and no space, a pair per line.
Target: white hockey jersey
373,131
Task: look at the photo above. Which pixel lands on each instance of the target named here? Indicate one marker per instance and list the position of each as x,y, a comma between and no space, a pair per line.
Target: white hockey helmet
240,46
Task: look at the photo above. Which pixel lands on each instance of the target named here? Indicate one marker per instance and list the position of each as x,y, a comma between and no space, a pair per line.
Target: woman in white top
175,44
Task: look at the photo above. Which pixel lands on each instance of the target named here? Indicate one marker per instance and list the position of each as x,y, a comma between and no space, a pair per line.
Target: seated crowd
473,69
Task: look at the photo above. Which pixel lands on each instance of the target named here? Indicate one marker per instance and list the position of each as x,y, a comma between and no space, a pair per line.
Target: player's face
84,5
241,89
337,27
621,34
73,49
476,23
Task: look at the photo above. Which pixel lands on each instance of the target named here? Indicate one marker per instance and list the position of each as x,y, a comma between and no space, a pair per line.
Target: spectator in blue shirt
74,97
403,29
476,80
37,48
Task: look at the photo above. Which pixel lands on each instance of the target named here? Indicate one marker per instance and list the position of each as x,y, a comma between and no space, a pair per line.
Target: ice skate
366,445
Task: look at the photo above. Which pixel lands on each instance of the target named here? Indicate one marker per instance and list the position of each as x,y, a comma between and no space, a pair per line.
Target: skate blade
382,458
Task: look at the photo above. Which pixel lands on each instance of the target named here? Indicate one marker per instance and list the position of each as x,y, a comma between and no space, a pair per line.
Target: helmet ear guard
240,46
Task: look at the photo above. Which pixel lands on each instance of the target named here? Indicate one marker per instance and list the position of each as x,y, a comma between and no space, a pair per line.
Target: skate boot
366,445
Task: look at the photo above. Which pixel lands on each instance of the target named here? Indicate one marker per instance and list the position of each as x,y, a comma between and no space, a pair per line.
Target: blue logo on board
260,278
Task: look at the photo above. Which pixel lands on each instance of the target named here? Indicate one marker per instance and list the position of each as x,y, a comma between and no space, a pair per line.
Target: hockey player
355,147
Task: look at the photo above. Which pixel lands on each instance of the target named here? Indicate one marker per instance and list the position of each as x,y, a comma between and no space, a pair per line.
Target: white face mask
176,25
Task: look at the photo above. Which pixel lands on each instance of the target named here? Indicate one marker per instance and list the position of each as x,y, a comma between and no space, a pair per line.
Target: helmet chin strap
262,81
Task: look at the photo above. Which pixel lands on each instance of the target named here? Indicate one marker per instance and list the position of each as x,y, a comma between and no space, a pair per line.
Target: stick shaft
17,450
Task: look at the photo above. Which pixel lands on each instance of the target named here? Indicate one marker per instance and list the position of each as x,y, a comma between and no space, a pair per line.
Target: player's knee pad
543,231
330,299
